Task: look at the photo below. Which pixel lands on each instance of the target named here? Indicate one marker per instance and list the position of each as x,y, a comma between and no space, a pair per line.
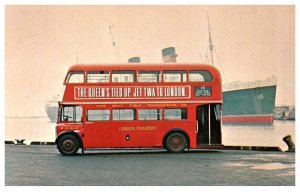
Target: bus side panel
97,134
139,134
149,133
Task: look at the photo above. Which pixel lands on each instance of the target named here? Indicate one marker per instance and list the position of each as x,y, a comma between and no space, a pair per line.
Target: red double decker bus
174,106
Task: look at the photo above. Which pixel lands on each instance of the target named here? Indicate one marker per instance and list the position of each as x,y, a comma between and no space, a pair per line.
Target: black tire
68,145
176,142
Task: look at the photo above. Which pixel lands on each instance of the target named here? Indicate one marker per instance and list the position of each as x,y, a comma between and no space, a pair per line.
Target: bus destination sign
202,91
131,92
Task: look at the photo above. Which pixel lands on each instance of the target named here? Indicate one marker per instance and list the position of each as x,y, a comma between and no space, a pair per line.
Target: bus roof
143,66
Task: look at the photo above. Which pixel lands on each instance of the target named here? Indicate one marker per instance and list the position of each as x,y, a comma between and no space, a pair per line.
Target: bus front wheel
176,142
68,145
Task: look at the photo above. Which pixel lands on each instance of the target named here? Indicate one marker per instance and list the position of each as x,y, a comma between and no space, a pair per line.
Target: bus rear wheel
68,145
176,142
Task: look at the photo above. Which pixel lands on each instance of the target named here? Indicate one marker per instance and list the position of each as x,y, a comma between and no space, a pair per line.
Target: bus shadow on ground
141,152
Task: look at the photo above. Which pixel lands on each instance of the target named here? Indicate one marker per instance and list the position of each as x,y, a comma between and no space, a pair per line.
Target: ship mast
112,36
114,43
211,47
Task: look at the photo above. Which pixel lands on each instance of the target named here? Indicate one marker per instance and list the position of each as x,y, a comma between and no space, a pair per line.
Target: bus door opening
209,124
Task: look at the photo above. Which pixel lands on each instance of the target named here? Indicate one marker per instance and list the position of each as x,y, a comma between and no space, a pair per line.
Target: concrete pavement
44,166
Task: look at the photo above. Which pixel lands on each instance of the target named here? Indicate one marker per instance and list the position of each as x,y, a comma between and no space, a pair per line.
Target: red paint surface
254,119
132,95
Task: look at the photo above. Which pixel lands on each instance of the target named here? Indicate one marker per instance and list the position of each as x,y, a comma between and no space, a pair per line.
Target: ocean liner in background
52,108
249,102
243,102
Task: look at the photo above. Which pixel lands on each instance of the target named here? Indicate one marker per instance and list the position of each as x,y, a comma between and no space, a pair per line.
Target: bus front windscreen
71,113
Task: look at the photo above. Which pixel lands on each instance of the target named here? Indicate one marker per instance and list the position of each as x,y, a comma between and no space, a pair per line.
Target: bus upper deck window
200,76
149,76
97,77
123,76
75,77
174,76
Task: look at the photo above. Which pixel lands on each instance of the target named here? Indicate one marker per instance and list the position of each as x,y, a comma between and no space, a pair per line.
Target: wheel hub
176,142
68,145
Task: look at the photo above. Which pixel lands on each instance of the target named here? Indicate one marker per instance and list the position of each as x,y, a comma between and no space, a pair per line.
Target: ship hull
249,106
52,112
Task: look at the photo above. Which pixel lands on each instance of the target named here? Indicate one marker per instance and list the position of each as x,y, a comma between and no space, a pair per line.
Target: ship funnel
169,55
288,140
134,60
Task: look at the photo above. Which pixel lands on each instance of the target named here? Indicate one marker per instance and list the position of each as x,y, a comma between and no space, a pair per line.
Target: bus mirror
217,109
58,114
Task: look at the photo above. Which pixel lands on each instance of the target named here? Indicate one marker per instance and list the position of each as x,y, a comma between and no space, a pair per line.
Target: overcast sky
41,43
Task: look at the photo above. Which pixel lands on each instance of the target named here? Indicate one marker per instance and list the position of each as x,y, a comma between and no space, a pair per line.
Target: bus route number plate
202,91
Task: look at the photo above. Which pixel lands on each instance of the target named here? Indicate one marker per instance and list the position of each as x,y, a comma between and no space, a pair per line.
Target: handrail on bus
197,123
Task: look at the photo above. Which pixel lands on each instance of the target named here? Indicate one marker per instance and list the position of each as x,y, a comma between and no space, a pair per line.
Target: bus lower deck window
175,114
123,114
98,115
149,114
